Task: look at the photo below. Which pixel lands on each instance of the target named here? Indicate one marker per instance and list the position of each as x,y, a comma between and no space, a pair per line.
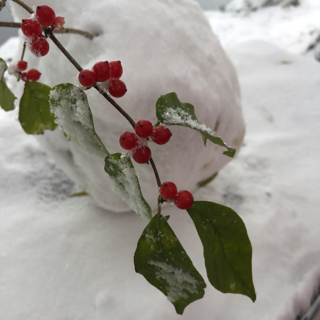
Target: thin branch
155,172
65,30
24,5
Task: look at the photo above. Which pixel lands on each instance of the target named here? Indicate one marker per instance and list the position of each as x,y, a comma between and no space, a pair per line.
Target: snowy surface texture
64,258
164,46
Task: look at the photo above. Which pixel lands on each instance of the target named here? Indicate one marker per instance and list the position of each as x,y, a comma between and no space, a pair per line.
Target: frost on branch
6,96
171,111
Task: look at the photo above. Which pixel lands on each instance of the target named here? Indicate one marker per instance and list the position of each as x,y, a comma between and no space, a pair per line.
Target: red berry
24,76
183,199
58,23
30,28
117,88
45,15
34,75
141,154
22,65
101,70
161,135
144,128
116,69
39,46
168,190
128,140
87,78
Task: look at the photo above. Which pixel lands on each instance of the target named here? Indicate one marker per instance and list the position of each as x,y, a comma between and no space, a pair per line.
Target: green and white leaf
6,96
34,111
171,111
126,183
70,106
161,259
227,248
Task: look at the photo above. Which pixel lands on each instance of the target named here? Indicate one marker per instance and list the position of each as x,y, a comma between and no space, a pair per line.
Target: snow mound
164,46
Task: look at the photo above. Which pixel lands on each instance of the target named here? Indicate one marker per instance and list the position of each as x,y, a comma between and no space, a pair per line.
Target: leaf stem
24,5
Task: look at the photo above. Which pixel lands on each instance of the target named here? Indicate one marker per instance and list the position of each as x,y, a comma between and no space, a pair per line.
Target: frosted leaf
6,96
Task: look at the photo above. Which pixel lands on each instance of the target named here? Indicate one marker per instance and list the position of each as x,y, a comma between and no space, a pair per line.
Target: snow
65,258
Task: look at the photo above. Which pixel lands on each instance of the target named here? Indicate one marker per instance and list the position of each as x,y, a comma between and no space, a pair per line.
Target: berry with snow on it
45,15
87,78
58,23
141,154
24,76
39,46
161,134
144,128
34,75
30,28
168,190
183,200
116,69
22,65
101,71
117,88
128,140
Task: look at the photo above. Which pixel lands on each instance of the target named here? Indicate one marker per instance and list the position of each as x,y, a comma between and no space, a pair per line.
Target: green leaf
6,96
204,182
71,109
126,183
34,111
161,259
171,111
227,248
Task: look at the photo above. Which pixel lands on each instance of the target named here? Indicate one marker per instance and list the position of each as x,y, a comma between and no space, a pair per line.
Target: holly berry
141,154
87,78
144,128
58,23
101,70
24,76
34,75
168,190
116,69
128,140
183,199
117,88
161,134
45,15
22,65
39,46
31,28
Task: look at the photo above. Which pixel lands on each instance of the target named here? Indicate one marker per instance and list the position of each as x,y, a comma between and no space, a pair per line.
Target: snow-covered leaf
161,259
71,109
34,111
171,111
227,248
6,96
126,183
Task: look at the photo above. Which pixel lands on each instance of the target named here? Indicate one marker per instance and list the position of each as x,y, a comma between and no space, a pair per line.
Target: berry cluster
32,29
182,199
137,141
31,75
105,71
18,68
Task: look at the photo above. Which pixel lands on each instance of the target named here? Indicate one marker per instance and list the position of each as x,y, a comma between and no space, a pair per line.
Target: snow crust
164,46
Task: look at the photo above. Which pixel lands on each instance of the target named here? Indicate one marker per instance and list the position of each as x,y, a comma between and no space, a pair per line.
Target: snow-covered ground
64,258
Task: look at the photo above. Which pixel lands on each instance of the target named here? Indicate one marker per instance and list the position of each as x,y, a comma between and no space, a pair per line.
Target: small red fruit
31,28
117,88
34,75
101,70
141,154
161,134
116,69
22,65
39,46
24,76
87,78
183,199
45,15
58,23
128,140
144,128
168,190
